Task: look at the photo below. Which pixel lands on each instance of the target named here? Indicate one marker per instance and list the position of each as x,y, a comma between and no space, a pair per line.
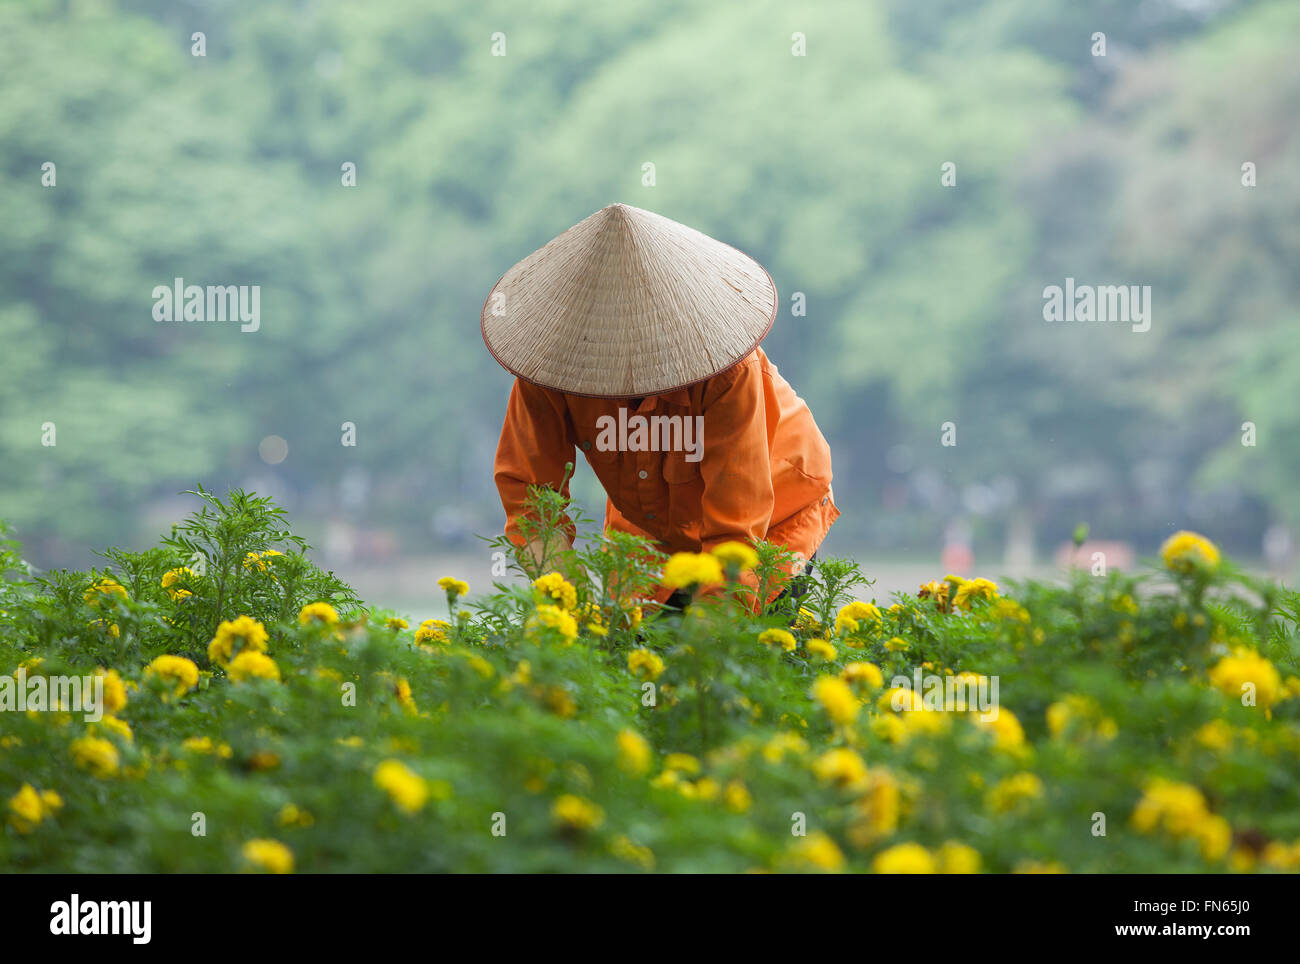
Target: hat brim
674,304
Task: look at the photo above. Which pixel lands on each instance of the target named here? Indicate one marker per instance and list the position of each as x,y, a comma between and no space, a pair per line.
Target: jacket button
642,474
649,515
586,446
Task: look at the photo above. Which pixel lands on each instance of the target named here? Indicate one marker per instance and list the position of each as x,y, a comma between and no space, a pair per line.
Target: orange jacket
755,465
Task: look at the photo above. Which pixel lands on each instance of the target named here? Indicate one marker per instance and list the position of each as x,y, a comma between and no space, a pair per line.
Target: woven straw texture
628,303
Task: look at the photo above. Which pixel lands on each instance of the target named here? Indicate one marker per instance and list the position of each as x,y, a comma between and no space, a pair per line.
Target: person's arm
536,442
736,465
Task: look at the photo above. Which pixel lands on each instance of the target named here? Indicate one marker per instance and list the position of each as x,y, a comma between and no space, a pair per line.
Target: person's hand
548,554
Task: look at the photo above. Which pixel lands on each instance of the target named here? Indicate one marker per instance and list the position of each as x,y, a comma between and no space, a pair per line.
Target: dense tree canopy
924,298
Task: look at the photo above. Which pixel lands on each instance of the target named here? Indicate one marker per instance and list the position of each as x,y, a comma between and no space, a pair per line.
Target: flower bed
256,715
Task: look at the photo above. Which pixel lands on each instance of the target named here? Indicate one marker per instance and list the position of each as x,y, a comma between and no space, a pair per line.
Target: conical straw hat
628,303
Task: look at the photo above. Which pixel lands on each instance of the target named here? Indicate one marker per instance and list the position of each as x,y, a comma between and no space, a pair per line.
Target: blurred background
923,300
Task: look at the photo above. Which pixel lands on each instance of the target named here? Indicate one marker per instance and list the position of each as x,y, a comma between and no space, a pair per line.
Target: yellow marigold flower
1247,674
822,649
667,780
480,665
454,587
1009,793
433,631
250,665
1186,552
736,797
401,688
408,790
105,626
889,728
556,587
1278,855
968,684
682,763
1126,604
198,744
775,750
927,722
114,690
575,813
291,815
552,618
263,760
101,588
558,700
244,634
173,576
1176,808
863,672
897,644
624,848
877,808
1009,610
972,589
634,752
1241,860
780,638
1083,714
806,621
819,852
1214,835
178,672
958,858
259,560
904,858
269,855
692,568
319,613
396,623
706,788
644,663
901,699
594,617
860,612
844,626
736,554
836,698
937,591
1060,713
119,728
96,755
841,767
634,616
28,808
1214,735
1007,732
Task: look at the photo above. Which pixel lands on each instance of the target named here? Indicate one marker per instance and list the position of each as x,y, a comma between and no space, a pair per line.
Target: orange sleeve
736,466
536,441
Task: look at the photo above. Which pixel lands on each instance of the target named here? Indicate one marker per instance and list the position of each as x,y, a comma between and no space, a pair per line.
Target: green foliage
223,559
